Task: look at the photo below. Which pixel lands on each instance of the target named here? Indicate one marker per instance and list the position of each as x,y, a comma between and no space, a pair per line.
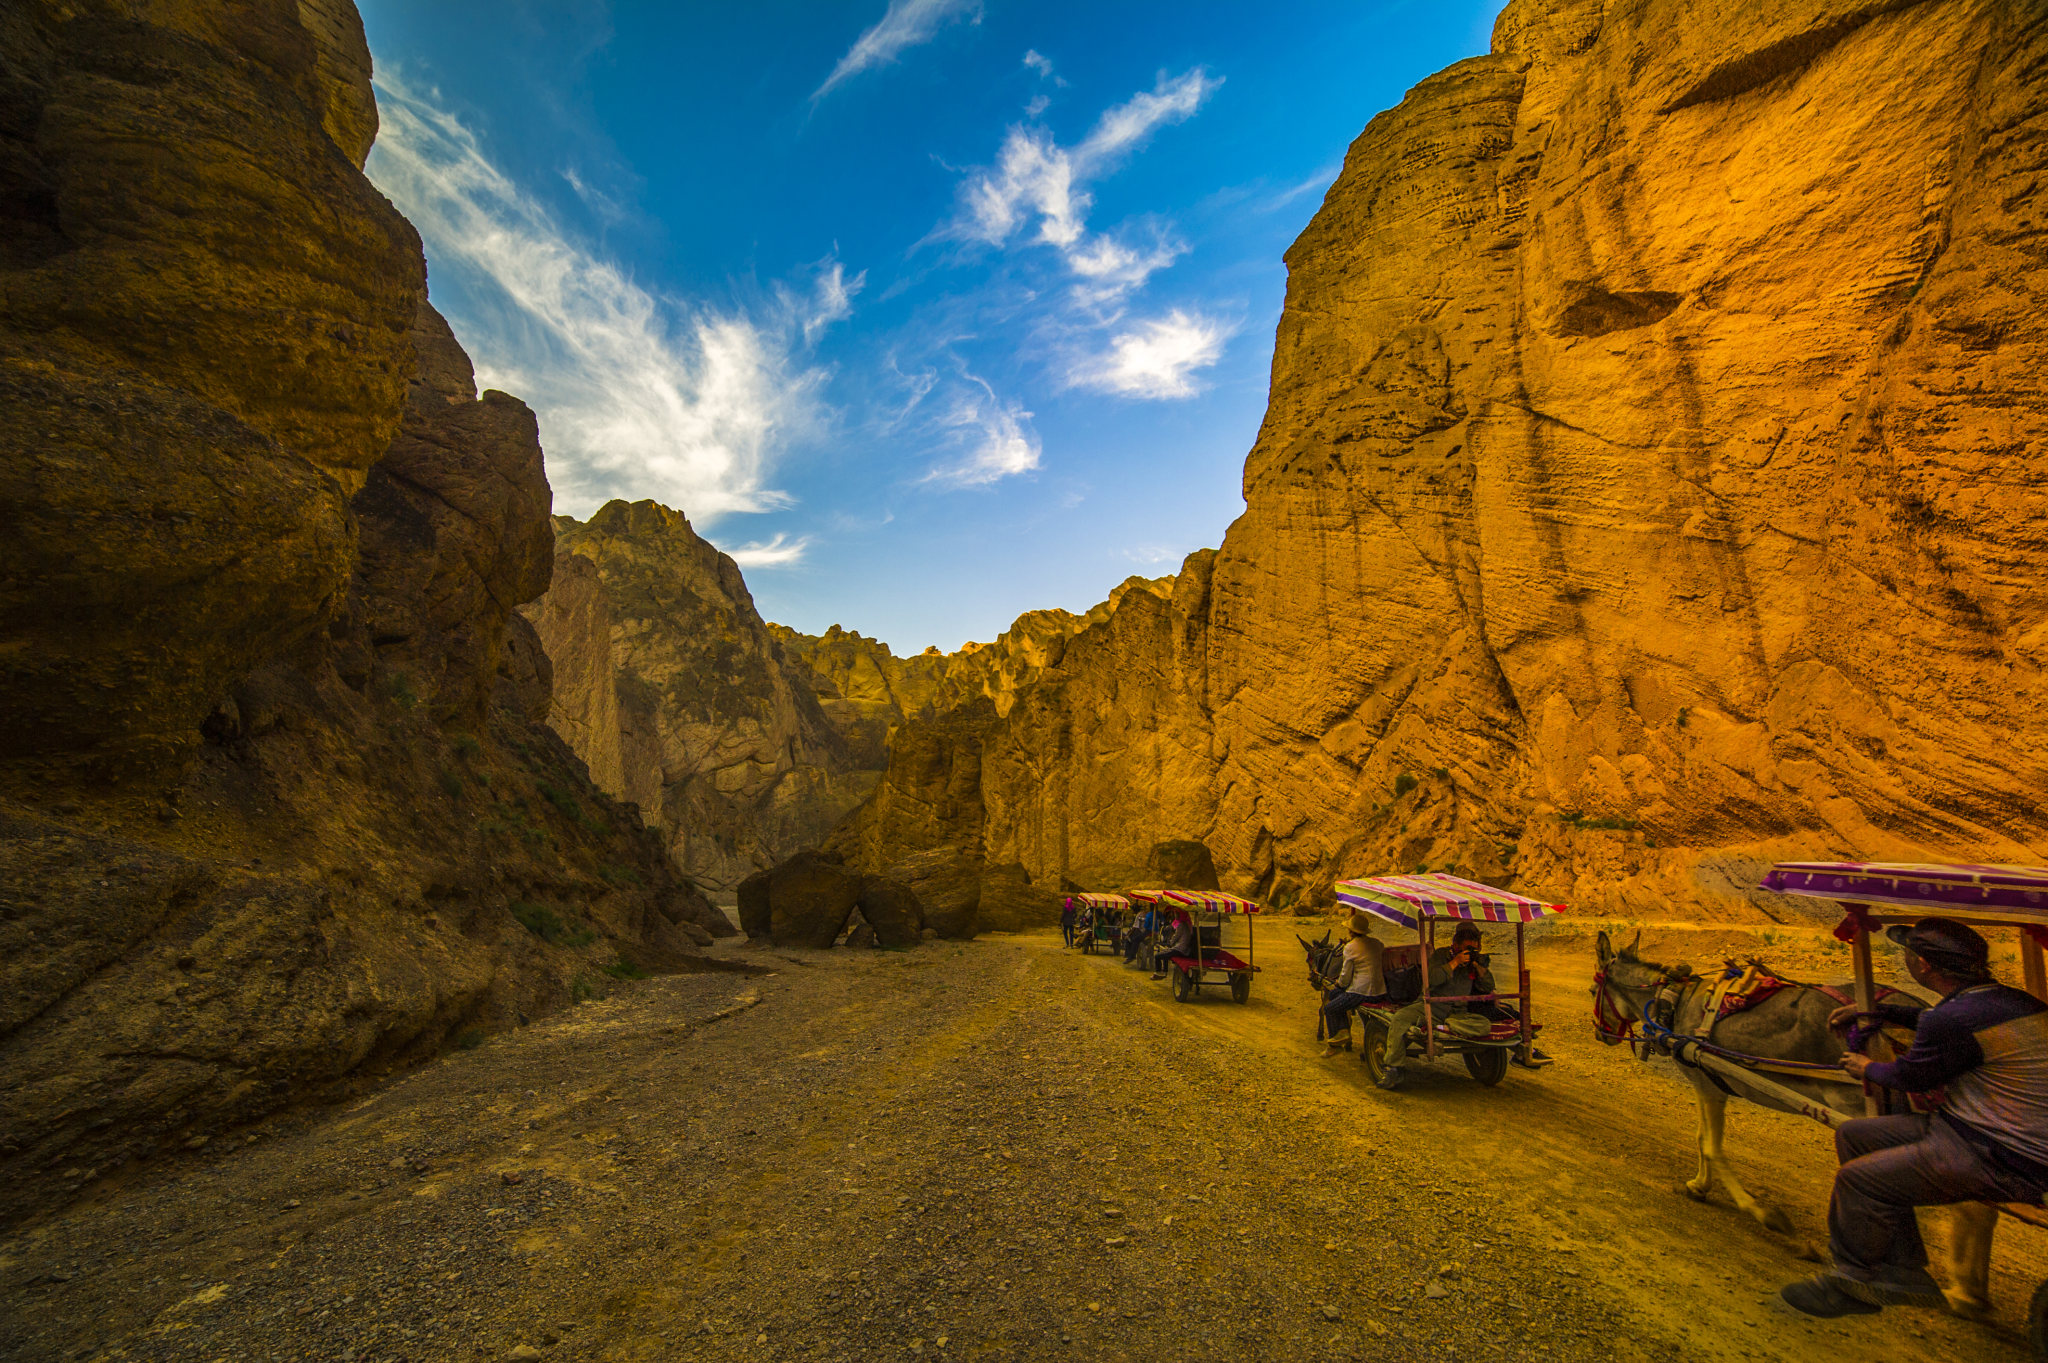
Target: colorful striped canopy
1995,894
1207,901
1404,899
1097,901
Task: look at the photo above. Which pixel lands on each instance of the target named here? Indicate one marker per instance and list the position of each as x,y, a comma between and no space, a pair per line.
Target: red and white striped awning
1087,900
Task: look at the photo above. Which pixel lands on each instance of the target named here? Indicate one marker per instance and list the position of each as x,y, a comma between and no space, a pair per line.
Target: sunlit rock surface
279,808
1652,487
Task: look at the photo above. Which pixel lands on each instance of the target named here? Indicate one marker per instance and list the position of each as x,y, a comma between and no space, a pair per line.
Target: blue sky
929,311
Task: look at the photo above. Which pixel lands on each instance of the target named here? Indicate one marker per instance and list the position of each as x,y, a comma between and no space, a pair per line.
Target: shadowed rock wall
279,808
1652,487
682,701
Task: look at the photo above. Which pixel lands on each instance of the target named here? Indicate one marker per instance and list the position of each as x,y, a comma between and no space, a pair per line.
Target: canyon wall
744,742
1653,486
675,692
279,807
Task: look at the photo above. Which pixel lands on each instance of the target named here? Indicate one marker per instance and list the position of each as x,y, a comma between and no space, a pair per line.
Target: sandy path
991,1150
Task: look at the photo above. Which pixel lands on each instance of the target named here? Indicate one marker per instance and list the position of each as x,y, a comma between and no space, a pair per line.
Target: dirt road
993,1150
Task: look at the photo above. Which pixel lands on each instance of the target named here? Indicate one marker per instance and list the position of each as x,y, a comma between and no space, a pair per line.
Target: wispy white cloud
1038,62
1158,358
1152,554
1036,192
906,24
779,552
832,295
994,436
637,395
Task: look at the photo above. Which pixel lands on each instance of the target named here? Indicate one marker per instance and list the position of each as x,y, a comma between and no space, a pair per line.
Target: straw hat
1361,923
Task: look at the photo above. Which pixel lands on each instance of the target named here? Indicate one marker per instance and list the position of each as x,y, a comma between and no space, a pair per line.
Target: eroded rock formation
278,804
682,701
1652,487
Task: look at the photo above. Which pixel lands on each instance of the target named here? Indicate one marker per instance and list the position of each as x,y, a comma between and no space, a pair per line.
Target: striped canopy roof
1404,899
1097,901
1207,901
1994,894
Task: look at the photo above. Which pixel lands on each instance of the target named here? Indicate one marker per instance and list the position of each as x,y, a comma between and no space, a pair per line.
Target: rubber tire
1183,985
1372,1047
1240,988
2037,1324
1487,1064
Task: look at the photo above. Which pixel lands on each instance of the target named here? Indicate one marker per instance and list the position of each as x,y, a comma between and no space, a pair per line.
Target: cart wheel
2037,1324
1240,988
1183,985
1372,1047
1488,1064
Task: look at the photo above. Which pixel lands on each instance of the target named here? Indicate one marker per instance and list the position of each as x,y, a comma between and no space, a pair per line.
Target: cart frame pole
1866,989
2033,969
1522,969
1425,932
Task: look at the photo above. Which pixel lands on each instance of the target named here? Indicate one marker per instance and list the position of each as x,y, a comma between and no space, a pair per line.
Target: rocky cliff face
1651,488
278,805
683,701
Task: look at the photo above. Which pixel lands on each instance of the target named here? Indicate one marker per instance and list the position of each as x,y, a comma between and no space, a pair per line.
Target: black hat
1950,947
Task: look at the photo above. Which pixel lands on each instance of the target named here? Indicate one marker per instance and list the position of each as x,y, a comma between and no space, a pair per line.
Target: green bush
468,746
1579,820
1403,784
1441,773
451,783
399,689
620,875
470,1039
544,923
582,990
625,970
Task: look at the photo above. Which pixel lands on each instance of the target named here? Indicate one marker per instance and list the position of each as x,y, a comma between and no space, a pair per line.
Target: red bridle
1610,1024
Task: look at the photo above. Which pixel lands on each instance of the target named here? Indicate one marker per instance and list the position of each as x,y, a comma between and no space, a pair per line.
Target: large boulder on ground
753,896
809,901
1182,864
1011,903
892,909
947,883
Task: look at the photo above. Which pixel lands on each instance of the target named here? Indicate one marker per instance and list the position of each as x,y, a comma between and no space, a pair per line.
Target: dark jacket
1446,983
1987,1045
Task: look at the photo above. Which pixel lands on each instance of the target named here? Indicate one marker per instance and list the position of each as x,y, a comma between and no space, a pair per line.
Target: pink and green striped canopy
1405,899
2004,894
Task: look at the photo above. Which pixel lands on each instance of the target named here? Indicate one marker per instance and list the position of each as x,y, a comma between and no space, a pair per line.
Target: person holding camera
1456,972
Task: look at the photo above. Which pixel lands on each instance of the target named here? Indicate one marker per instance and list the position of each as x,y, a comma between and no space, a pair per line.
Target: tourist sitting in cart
1987,1044
1360,981
1181,940
1455,972
1135,936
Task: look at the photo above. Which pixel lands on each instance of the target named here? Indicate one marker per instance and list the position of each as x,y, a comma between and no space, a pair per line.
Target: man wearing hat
1359,980
1986,1044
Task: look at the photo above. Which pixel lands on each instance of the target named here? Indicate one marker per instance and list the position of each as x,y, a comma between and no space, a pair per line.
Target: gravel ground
991,1150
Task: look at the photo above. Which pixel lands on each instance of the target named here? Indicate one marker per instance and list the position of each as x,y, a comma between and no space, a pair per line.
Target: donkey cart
1105,919
1877,894
1213,961
1485,1039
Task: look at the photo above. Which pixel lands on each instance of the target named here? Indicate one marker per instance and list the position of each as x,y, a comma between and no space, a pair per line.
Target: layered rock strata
682,700
1651,488
278,805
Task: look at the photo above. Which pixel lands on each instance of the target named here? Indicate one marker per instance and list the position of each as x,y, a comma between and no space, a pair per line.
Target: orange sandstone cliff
1653,486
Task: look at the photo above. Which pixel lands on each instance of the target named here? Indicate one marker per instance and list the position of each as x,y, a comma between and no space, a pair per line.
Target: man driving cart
1986,1044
